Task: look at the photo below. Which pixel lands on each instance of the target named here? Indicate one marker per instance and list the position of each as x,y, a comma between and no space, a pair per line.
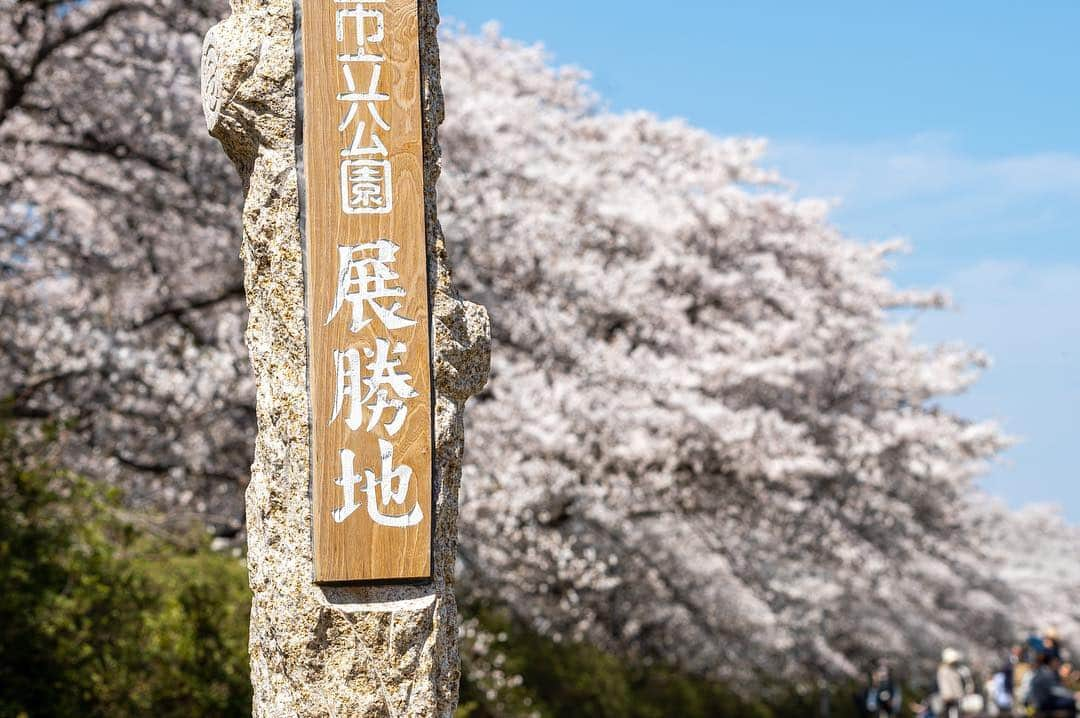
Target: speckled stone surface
375,651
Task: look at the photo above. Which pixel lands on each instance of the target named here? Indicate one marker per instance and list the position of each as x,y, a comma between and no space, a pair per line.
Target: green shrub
99,617
103,615
568,680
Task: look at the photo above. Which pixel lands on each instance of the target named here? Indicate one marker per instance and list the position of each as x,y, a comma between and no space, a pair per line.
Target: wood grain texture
358,548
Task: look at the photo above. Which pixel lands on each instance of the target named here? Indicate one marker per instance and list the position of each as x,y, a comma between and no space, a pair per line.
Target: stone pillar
350,652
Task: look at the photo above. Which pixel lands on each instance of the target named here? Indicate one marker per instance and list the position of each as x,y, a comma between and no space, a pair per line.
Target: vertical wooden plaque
368,310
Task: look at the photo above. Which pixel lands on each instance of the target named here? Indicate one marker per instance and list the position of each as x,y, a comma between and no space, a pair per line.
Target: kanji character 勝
380,389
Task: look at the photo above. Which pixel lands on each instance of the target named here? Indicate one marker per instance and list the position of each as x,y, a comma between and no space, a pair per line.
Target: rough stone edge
342,651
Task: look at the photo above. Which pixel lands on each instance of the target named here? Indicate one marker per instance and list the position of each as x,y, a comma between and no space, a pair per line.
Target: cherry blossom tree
122,293
1034,551
705,437
709,438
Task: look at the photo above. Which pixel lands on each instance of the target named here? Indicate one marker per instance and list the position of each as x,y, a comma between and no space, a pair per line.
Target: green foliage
579,681
101,617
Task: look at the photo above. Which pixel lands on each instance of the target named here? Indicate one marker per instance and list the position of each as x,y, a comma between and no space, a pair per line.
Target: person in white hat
950,682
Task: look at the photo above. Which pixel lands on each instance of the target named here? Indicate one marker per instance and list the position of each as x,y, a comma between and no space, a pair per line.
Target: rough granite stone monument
342,648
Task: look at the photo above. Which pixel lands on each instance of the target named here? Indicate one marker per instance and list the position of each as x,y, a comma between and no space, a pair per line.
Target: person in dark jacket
1048,695
1004,681
1016,657
883,699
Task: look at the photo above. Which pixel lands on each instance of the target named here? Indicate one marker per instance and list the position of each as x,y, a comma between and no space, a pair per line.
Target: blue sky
955,125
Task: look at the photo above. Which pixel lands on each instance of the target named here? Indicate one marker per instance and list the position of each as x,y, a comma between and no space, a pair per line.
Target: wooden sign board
368,310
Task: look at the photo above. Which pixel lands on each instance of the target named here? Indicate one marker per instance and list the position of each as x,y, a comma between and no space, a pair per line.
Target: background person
1070,677
1052,642
883,699
1048,695
950,682
1003,684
